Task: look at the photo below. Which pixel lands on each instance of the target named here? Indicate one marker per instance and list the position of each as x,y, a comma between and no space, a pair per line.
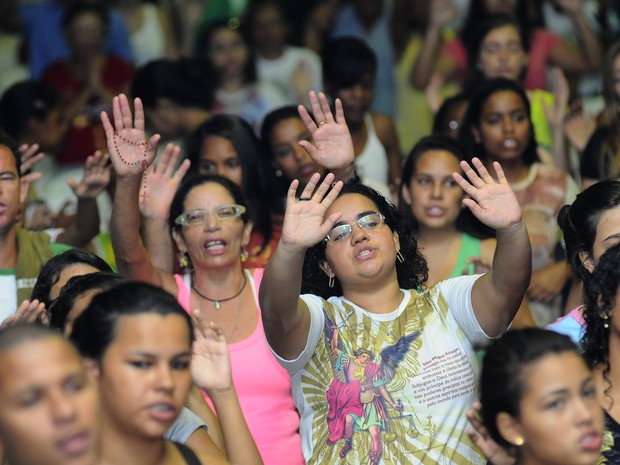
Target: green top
470,248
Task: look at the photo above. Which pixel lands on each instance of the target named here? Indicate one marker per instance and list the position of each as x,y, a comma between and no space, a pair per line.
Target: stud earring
519,442
605,319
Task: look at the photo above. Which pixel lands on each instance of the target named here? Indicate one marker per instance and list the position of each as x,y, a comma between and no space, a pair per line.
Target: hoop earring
244,254
400,257
330,282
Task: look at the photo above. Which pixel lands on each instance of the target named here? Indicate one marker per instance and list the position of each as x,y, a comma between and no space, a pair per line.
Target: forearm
159,246
198,405
86,224
425,62
131,256
238,441
498,294
286,324
560,149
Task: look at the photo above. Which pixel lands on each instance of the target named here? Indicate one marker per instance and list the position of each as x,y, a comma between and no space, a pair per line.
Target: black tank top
189,455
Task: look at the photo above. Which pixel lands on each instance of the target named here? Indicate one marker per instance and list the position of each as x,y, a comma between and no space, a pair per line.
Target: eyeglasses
199,216
370,221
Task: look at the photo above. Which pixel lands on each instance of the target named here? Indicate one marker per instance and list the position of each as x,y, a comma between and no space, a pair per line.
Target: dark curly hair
600,299
412,273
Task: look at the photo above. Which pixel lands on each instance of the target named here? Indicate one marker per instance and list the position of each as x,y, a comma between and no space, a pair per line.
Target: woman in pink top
210,224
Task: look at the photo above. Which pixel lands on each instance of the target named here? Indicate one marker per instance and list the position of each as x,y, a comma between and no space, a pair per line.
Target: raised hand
493,203
210,360
162,182
28,312
129,150
304,221
441,13
29,157
556,113
480,436
97,174
331,146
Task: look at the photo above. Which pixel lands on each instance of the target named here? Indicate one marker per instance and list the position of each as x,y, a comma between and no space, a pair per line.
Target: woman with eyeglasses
383,368
210,223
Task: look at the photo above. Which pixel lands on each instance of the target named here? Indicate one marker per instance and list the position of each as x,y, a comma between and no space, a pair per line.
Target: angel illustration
357,396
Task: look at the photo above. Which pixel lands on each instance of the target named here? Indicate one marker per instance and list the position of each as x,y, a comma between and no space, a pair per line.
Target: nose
508,124
300,153
212,222
358,234
437,191
163,378
357,91
62,408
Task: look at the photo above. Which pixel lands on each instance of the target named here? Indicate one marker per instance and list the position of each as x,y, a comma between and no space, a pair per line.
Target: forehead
351,206
7,160
214,147
608,223
507,32
441,161
553,372
286,126
151,332
38,362
207,196
503,100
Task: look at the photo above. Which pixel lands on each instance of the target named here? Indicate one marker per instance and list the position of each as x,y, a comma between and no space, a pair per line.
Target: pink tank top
263,387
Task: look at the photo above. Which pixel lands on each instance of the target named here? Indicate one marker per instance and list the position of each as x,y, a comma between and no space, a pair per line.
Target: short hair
76,9
412,273
11,144
346,60
95,329
502,383
13,335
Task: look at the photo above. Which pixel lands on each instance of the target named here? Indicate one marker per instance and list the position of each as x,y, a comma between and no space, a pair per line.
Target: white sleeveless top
372,163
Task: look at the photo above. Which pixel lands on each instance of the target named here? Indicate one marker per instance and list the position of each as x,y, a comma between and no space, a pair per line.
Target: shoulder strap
189,455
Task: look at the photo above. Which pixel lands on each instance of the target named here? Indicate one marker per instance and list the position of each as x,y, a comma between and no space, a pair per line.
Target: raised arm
286,318
131,154
496,296
94,181
162,182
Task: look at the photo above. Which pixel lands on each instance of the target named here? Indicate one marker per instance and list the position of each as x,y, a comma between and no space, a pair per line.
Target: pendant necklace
218,302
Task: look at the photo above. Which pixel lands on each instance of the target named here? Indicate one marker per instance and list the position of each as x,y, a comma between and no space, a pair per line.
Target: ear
327,269
44,318
24,184
179,241
404,189
509,427
247,233
396,240
93,370
587,261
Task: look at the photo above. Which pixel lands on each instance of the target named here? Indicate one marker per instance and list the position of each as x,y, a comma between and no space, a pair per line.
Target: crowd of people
331,231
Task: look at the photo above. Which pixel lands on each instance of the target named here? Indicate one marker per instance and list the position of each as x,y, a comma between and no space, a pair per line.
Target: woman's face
228,52
144,375
501,53
366,255
504,127
86,35
289,156
607,235
357,99
218,156
560,419
48,405
269,28
49,132
435,198
214,243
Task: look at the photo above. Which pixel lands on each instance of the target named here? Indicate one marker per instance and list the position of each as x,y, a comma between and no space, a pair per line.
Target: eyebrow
359,215
153,356
613,236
